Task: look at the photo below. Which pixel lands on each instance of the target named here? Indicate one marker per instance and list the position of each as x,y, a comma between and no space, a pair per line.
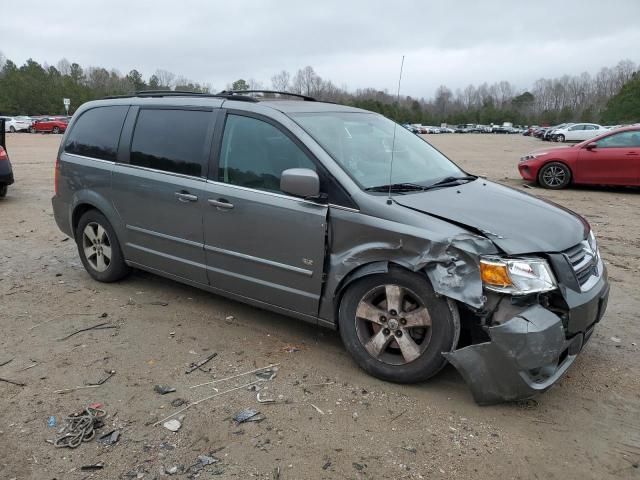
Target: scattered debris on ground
12,382
163,389
81,427
199,365
110,438
99,326
247,415
173,425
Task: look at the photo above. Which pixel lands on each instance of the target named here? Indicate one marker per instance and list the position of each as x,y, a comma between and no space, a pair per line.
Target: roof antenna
393,142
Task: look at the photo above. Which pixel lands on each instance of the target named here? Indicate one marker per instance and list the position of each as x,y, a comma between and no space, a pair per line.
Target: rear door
261,243
590,131
575,133
614,161
158,188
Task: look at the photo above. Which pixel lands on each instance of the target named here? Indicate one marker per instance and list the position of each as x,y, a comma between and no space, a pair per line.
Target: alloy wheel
393,324
554,176
96,246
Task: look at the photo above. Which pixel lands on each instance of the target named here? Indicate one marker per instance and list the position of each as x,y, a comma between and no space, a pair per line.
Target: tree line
33,89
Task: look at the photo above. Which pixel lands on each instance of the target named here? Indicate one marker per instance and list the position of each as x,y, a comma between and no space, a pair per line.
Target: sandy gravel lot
587,426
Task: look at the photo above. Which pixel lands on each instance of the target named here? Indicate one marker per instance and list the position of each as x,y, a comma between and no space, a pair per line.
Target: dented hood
516,222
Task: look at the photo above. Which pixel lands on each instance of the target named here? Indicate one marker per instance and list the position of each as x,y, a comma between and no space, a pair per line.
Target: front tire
395,327
99,248
3,190
12,129
554,175
56,130
560,138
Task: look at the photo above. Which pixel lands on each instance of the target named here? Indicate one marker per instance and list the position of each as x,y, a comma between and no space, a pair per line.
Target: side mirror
591,146
300,182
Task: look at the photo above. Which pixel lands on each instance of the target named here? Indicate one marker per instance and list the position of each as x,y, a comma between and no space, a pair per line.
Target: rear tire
99,248
554,175
3,190
56,130
395,327
32,130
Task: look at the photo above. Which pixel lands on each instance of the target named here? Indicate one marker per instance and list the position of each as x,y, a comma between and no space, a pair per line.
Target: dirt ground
587,426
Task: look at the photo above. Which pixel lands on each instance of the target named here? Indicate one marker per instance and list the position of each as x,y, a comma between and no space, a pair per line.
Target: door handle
186,197
221,203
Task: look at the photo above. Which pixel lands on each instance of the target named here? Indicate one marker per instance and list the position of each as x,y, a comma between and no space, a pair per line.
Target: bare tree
165,78
280,81
442,101
307,82
254,84
64,67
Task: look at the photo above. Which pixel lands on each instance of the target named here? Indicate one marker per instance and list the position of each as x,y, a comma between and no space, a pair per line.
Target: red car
609,159
49,124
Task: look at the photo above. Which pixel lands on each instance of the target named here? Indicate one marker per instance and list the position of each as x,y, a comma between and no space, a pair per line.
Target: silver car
339,217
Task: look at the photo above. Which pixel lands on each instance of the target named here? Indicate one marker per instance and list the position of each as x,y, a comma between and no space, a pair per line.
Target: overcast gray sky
353,43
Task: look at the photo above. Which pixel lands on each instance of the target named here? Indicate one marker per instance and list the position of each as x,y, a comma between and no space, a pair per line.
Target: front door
614,161
159,193
259,242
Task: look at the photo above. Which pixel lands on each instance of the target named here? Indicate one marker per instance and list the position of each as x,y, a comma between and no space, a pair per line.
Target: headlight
517,276
593,244
531,156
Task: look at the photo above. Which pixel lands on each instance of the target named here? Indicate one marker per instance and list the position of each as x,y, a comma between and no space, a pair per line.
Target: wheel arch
365,270
86,200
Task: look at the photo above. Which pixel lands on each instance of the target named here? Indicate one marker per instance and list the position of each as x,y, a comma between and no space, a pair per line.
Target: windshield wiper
396,187
450,181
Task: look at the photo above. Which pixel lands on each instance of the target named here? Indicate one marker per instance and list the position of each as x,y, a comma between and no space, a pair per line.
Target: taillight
3,154
56,176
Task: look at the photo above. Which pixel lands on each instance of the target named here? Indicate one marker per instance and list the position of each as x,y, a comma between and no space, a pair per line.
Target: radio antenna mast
393,142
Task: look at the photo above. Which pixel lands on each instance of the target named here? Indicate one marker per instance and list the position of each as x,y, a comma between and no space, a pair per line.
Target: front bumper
529,352
527,172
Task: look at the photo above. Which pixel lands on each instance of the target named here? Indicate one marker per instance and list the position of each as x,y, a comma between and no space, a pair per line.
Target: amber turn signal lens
495,274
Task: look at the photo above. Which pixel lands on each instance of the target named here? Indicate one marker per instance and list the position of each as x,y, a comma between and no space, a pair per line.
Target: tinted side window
621,140
171,140
255,153
97,132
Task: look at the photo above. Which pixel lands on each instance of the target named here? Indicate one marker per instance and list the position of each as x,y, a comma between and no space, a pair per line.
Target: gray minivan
336,216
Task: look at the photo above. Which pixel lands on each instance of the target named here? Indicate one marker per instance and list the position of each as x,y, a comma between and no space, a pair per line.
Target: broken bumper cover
526,355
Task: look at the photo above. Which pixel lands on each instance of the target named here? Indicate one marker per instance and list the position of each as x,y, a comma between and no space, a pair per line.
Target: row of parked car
463,128
568,132
36,124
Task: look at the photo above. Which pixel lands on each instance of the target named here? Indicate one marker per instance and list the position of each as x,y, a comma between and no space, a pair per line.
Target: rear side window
255,153
629,139
97,132
171,140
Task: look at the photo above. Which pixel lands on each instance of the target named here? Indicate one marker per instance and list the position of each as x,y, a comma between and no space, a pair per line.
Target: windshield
361,144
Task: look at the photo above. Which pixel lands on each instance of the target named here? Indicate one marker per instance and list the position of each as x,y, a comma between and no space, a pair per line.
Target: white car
16,124
578,132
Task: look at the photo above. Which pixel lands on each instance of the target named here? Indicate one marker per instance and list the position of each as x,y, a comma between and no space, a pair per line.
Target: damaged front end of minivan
531,340
512,343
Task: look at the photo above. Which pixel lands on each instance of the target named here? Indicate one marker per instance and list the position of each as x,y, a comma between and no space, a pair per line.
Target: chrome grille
583,260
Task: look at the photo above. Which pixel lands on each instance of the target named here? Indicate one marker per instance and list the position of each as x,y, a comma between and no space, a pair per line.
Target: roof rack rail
178,93
238,93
